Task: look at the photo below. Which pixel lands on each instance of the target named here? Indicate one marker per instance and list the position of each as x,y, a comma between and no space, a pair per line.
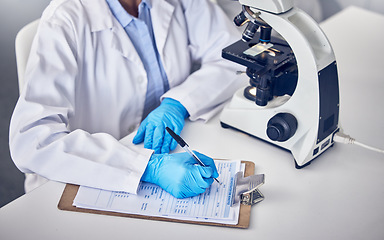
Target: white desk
339,196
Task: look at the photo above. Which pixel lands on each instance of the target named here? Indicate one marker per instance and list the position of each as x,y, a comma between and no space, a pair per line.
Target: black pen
186,148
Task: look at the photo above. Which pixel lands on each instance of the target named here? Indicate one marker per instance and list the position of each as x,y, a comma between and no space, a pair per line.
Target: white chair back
23,44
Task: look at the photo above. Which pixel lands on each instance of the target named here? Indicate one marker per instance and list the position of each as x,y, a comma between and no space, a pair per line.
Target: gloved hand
170,114
179,174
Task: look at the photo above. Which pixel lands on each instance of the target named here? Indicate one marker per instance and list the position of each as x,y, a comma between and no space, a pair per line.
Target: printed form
214,205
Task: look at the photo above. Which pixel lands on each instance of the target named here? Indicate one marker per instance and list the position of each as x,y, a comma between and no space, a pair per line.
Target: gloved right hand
179,174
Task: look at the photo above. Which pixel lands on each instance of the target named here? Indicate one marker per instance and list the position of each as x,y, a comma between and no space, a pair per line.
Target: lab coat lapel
122,43
102,19
161,14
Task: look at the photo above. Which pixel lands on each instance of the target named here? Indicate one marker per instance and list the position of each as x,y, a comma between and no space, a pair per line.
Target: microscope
292,100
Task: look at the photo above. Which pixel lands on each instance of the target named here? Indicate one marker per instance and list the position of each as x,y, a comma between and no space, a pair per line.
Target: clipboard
70,192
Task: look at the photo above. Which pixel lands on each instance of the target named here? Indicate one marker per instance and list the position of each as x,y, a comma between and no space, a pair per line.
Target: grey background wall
14,14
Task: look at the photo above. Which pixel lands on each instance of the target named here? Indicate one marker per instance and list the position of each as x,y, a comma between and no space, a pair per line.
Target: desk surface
338,196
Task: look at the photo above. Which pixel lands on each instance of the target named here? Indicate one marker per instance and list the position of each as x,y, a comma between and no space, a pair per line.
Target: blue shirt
140,31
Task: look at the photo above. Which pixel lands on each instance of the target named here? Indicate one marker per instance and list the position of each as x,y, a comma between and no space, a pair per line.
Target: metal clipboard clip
245,189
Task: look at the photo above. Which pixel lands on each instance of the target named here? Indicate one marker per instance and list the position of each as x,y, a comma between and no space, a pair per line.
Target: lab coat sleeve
41,138
209,31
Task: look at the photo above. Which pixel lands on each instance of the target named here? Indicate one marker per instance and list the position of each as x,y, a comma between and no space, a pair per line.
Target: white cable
346,139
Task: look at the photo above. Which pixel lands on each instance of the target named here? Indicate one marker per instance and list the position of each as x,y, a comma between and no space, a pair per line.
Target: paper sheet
212,206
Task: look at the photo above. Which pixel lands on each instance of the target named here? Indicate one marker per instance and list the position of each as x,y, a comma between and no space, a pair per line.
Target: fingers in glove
208,162
158,138
198,179
167,143
139,137
148,139
206,172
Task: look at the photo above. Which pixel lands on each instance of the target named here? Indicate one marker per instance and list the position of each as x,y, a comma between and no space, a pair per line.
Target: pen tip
217,181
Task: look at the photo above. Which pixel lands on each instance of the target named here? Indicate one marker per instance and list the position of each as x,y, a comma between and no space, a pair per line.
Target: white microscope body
305,120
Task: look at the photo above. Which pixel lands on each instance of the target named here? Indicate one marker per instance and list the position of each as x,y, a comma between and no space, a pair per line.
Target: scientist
97,68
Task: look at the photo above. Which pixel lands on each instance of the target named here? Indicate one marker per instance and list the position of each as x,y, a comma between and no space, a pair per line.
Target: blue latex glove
179,174
152,131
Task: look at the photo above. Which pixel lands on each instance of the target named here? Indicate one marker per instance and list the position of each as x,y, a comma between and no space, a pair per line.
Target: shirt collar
123,16
147,2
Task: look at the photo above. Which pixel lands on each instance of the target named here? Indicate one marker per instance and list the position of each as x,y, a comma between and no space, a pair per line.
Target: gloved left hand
170,113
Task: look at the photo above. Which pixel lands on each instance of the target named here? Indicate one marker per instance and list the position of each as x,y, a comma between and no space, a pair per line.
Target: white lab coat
85,88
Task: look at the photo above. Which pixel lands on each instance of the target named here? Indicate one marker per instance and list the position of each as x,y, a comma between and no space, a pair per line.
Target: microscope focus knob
281,127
